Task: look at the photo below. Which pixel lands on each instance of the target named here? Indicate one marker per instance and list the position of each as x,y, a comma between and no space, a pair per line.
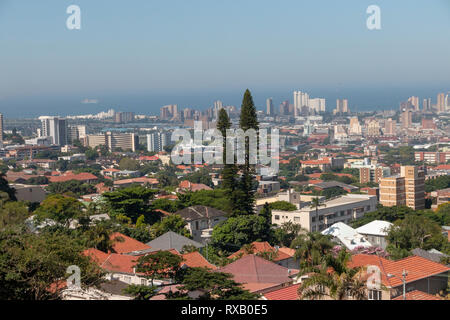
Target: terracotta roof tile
128,244
288,293
417,295
417,268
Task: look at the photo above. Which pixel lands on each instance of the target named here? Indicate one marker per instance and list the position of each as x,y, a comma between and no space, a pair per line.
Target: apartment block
114,141
343,209
406,189
432,157
373,173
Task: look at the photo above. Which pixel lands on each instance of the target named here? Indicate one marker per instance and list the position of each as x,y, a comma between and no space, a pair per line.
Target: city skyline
151,54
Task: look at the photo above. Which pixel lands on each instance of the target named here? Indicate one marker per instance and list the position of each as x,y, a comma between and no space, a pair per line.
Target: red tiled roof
137,180
417,268
290,252
185,184
163,212
417,295
260,247
287,293
128,244
83,176
149,158
254,269
315,162
196,260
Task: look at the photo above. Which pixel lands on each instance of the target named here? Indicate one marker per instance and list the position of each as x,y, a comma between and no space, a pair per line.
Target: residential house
376,232
259,275
421,275
281,256
172,240
347,236
201,219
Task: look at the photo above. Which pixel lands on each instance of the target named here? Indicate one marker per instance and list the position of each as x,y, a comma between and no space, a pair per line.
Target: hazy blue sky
141,54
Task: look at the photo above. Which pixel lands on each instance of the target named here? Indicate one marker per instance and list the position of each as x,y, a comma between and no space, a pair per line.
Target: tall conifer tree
248,120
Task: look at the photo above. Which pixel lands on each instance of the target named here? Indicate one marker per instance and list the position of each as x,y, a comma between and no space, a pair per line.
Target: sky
139,55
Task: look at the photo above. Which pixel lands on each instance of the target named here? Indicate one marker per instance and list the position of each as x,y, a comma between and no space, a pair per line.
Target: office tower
390,127
414,102
156,141
355,127
441,103
406,189
373,128
55,128
269,107
341,106
1,130
406,119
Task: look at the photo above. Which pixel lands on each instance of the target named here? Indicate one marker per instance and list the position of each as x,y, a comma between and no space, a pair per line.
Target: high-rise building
390,127
124,117
56,128
317,104
406,118
406,189
284,108
373,173
414,102
156,141
427,104
373,128
217,106
1,130
75,133
169,112
441,103
269,107
355,127
301,99
341,106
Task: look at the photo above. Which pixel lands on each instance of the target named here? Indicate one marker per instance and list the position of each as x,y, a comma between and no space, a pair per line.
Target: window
297,219
277,217
374,295
196,225
143,282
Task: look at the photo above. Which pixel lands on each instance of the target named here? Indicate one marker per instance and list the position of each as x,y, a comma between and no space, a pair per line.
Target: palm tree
334,279
315,203
311,248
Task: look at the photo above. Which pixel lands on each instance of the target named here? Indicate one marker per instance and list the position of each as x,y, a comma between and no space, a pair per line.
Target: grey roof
200,212
332,184
433,256
172,240
115,287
